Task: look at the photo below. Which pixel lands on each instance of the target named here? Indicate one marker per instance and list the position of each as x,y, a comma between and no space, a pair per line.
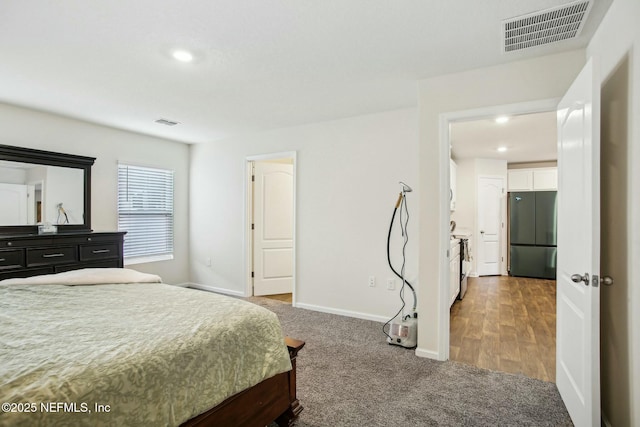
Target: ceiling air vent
546,26
166,122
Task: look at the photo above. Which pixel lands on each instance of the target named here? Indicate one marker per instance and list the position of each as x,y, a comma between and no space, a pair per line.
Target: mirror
38,187
32,194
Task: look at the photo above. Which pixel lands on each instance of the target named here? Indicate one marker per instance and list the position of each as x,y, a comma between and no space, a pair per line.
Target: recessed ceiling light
502,149
182,55
502,119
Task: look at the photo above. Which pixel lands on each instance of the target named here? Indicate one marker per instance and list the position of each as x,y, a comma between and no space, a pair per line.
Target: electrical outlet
372,281
391,284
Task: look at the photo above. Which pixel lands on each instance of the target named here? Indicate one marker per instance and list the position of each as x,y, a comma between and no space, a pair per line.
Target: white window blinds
145,211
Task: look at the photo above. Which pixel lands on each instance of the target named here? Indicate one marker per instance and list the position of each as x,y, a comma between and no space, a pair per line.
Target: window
145,212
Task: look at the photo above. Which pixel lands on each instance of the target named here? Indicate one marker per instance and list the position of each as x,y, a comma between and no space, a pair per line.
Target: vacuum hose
415,300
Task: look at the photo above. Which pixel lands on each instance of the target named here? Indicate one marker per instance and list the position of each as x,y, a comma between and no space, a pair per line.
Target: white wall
617,38
523,81
66,186
33,129
347,175
13,175
464,215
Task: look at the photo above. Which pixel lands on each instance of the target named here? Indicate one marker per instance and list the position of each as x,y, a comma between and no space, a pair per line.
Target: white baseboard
210,288
420,352
341,312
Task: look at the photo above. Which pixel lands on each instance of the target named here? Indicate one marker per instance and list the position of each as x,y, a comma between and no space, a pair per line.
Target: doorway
491,327
270,226
578,269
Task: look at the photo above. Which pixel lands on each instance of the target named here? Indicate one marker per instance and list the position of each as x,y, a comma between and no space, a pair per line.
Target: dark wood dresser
32,255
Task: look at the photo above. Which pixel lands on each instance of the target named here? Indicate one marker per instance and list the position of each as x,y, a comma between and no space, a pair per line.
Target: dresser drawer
13,274
51,256
25,255
23,243
97,252
11,259
109,263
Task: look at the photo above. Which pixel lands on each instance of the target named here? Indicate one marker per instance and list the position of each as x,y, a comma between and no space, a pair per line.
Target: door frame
248,241
445,119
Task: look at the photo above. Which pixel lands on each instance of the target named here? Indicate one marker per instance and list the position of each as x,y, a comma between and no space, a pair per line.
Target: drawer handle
2,259
100,251
52,255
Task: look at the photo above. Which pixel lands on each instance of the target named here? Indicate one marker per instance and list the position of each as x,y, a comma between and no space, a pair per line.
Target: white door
273,228
578,303
490,193
13,204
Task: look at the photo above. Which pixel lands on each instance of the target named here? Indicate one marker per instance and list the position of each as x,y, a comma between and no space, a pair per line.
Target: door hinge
253,226
252,275
253,178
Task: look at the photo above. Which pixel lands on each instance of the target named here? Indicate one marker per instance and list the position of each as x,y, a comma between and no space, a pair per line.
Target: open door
273,228
578,277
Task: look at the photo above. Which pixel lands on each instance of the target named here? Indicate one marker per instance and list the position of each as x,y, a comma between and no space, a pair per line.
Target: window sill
147,259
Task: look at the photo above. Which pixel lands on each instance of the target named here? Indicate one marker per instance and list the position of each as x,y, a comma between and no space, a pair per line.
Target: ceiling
259,64
527,138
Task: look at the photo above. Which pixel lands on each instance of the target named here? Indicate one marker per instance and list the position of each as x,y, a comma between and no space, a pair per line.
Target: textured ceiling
260,64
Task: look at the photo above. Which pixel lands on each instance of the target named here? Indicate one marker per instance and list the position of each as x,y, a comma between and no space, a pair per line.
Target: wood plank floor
506,324
281,297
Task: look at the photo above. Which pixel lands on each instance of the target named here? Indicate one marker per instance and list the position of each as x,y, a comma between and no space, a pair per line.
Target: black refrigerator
533,233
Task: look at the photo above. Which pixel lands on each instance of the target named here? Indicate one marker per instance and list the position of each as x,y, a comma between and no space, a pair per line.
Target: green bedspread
128,354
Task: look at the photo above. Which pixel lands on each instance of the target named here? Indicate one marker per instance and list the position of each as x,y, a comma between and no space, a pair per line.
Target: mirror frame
50,158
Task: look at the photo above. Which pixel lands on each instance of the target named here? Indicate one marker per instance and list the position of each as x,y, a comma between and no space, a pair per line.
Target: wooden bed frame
274,399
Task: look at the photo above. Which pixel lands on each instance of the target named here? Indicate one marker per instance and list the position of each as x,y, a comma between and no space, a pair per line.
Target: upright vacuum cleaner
403,329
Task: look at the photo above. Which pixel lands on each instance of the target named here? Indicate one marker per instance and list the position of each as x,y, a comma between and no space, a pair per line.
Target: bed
117,347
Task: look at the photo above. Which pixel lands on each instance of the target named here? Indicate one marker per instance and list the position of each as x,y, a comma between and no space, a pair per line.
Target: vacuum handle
399,200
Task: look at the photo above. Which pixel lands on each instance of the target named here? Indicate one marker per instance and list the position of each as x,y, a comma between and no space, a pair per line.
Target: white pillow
87,276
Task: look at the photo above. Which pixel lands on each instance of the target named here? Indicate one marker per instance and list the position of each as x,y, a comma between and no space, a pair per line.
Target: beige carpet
349,376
